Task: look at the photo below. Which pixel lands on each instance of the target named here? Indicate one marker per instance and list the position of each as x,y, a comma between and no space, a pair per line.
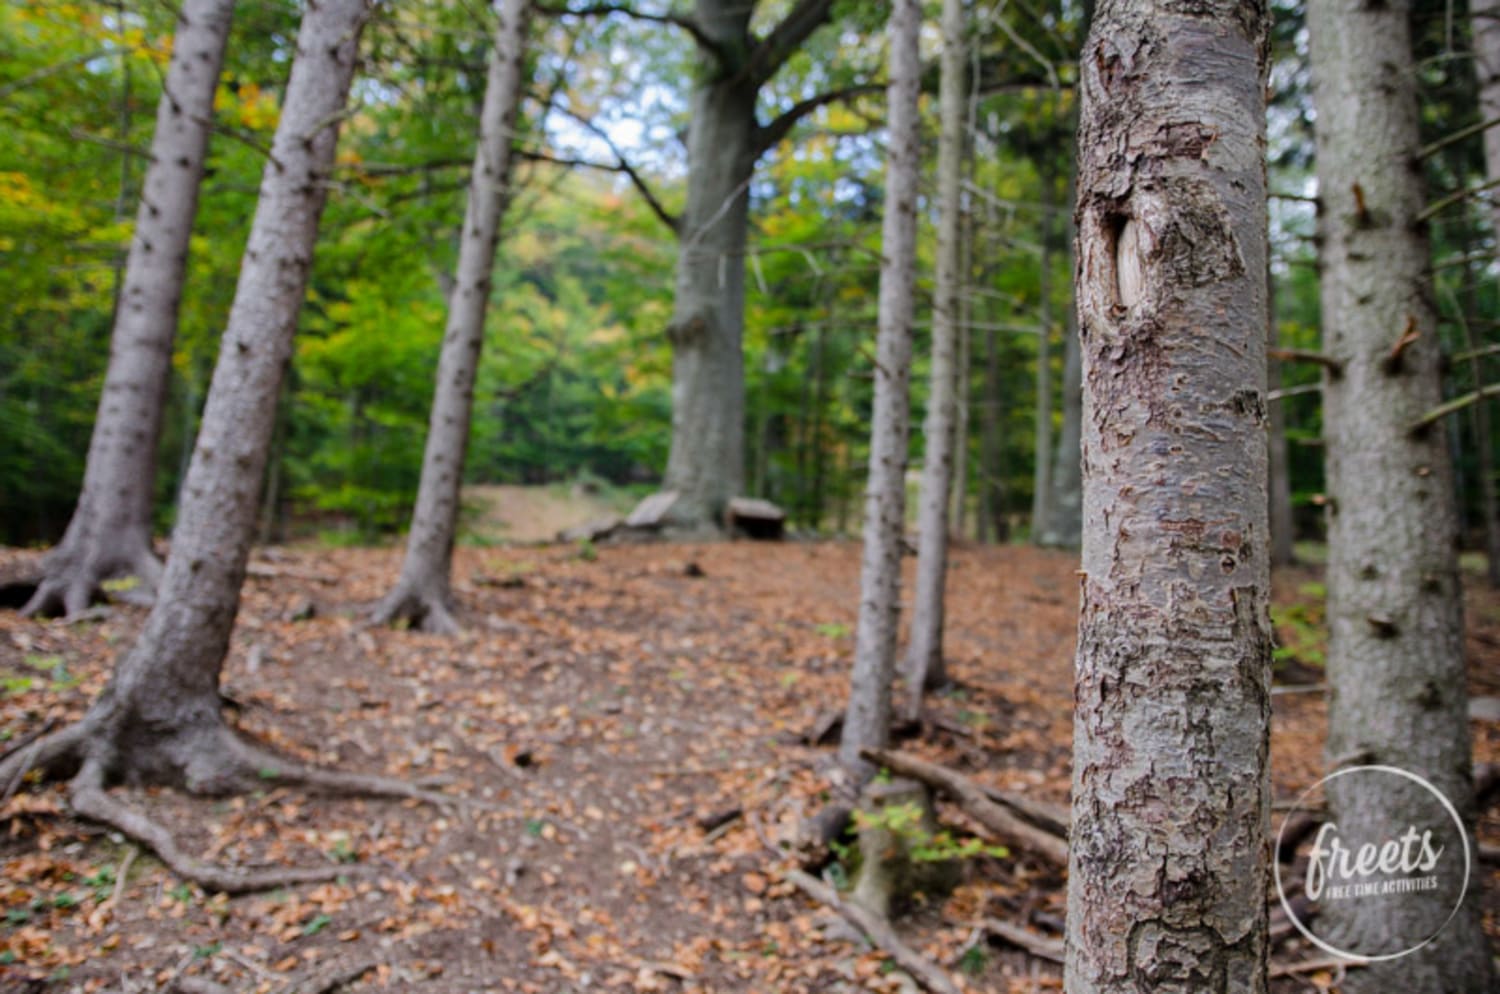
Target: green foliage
904,821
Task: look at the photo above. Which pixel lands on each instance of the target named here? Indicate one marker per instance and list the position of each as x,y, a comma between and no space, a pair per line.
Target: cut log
754,518
1000,820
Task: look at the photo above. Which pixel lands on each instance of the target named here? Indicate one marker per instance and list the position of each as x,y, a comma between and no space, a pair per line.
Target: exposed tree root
72,580
86,747
89,799
423,611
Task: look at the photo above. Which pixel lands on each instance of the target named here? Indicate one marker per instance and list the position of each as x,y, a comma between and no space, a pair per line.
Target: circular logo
1397,855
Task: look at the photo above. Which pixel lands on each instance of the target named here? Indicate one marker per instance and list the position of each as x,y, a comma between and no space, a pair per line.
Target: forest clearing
613,708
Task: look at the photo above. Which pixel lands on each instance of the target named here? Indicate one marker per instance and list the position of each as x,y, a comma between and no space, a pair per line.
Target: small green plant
904,821
832,630
316,925
1301,627
182,893
205,952
342,850
587,551
974,961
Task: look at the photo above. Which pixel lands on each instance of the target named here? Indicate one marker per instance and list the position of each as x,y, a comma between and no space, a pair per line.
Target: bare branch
622,165
1456,404
682,21
768,136
1328,362
767,57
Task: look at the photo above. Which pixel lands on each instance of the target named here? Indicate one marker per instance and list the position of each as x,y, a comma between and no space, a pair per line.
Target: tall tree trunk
992,525
1168,855
1041,489
109,535
1395,651
423,594
1283,525
159,718
1485,15
1065,520
924,660
706,463
868,717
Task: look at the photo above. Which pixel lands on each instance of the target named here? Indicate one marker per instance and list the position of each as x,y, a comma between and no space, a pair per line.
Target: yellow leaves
246,105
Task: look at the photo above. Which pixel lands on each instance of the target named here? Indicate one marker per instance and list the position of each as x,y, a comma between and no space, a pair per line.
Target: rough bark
159,720
1395,652
109,535
705,465
423,594
1169,844
868,716
924,661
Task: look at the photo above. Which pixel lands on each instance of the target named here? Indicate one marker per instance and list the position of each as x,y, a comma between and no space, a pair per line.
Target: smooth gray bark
159,718
924,660
705,465
867,719
1167,876
109,535
423,594
1395,652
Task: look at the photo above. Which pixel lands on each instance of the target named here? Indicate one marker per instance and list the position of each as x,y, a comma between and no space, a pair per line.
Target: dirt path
604,713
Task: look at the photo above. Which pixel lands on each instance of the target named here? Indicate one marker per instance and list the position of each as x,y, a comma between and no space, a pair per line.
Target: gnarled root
71,580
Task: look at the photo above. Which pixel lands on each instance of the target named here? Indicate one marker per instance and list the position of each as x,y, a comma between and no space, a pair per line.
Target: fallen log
973,799
879,932
1037,945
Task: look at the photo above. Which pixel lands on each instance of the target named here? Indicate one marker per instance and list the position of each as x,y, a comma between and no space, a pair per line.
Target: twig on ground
1337,963
879,932
320,981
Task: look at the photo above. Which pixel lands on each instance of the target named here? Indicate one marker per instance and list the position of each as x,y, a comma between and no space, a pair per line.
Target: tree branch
1333,365
682,21
1456,404
671,220
771,53
768,136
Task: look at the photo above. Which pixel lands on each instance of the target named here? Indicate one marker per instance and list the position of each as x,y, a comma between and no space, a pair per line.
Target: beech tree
159,719
109,535
1396,643
867,719
705,465
423,592
924,662
1168,847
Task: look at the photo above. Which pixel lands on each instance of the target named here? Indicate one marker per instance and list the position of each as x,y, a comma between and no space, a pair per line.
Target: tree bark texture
1169,845
924,661
423,592
159,719
109,535
868,717
1395,652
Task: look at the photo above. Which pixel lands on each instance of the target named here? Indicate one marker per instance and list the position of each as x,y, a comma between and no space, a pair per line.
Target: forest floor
605,709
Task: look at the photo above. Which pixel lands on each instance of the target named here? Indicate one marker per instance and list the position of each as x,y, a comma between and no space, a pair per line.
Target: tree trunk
992,525
1065,521
423,593
1395,650
1485,15
1283,525
1168,848
109,535
159,719
924,661
868,717
1041,489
